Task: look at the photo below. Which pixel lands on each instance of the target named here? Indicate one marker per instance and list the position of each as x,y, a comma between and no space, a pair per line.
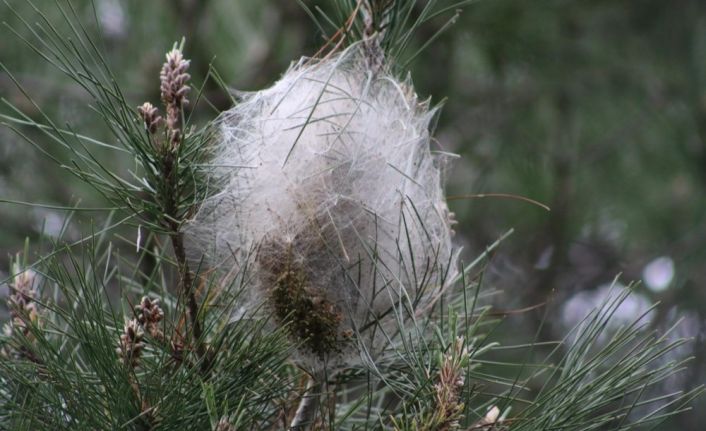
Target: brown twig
188,289
340,35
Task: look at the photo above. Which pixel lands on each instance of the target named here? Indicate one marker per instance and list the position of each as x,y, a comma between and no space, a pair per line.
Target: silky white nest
329,188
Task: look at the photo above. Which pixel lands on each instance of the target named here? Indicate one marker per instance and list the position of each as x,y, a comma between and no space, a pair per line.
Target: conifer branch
174,89
308,406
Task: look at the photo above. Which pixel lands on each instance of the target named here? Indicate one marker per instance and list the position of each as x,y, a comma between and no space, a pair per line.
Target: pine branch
308,406
174,88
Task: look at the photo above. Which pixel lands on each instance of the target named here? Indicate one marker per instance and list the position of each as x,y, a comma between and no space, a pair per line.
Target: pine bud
150,116
131,345
149,314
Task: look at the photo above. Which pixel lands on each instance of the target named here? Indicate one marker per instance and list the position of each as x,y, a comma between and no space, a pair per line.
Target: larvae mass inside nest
309,316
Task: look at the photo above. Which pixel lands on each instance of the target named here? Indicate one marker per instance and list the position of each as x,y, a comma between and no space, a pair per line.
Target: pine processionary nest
328,190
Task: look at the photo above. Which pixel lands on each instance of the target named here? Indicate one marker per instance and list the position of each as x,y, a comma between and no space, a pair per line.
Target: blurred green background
595,108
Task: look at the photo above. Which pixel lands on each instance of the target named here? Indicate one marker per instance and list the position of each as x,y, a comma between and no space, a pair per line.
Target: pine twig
309,404
174,89
187,290
375,14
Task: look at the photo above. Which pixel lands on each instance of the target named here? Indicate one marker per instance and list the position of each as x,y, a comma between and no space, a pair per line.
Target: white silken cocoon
329,205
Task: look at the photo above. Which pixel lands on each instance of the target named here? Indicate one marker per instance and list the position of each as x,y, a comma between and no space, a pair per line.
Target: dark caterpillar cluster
310,317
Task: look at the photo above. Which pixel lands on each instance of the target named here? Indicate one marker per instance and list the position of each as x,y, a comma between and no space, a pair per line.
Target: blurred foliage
596,108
